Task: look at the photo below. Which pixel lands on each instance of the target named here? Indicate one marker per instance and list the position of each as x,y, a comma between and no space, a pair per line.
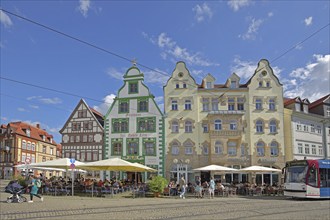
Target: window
259,126
298,127
88,125
72,139
260,84
313,128
274,148
28,132
133,146
205,128
90,138
76,126
184,85
233,125
328,112
312,177
51,151
120,125
272,126
318,129
133,87
177,86
175,127
231,104
233,84
232,148
306,148
258,104
175,148
44,149
267,84
84,138
187,105
88,156
117,147
82,113
77,138
33,147
188,127
218,147
188,148
208,85
240,104
271,104
205,102
123,106
205,149
217,125
24,145
146,124
260,149
28,146
300,148
215,104
320,150
305,128
142,105
149,146
242,150
174,105
314,149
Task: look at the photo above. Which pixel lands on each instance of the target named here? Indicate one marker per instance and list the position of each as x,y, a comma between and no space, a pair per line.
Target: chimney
38,126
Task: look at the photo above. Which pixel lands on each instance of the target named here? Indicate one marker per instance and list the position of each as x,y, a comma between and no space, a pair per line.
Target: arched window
205,149
274,148
188,127
217,125
272,126
188,148
218,149
233,125
259,126
261,149
175,127
175,148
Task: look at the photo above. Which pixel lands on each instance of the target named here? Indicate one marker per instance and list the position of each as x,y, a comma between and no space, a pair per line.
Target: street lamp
6,160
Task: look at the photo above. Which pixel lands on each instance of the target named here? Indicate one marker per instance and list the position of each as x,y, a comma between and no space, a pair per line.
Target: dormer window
233,84
43,137
28,132
260,84
208,85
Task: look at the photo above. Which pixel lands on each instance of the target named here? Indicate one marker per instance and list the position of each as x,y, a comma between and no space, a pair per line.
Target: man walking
182,187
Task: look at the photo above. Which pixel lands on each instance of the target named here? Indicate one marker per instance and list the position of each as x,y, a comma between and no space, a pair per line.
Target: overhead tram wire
140,64
124,58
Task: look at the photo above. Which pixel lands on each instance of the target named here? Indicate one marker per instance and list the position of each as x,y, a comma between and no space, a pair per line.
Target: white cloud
246,69
252,30
159,99
170,50
22,109
104,107
34,106
45,100
308,21
115,73
202,12
5,19
270,14
311,81
237,4
153,77
84,6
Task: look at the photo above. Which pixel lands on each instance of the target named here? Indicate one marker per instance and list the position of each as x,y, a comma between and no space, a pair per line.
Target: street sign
72,160
72,166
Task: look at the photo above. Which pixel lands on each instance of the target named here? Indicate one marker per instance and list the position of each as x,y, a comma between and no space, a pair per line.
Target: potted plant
157,185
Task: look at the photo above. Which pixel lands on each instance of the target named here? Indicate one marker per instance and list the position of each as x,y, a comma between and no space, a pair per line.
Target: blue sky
217,37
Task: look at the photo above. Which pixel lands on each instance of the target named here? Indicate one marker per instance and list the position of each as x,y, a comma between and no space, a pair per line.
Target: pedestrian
34,187
212,187
199,188
182,187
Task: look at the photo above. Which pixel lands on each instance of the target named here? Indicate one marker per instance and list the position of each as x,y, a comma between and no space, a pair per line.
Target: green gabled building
134,127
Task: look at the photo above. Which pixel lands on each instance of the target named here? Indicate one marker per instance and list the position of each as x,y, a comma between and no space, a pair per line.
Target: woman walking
34,187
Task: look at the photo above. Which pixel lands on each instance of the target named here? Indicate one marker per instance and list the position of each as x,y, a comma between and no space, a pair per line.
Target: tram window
325,177
312,177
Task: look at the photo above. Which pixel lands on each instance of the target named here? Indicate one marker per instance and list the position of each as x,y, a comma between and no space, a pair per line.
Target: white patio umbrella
257,169
147,169
114,164
63,163
23,166
216,168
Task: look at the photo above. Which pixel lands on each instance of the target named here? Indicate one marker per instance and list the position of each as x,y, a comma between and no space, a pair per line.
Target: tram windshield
296,174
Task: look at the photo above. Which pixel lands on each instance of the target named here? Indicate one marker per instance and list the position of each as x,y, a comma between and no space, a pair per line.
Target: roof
288,101
96,112
35,132
319,101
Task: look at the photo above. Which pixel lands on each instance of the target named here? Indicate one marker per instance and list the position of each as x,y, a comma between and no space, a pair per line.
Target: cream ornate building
231,124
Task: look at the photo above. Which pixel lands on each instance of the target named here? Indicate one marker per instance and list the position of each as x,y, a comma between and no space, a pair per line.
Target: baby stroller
15,189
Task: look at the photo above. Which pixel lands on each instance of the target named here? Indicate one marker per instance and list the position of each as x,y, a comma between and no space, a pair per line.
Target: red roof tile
318,102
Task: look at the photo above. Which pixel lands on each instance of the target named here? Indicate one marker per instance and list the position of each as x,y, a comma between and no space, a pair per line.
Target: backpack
38,183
